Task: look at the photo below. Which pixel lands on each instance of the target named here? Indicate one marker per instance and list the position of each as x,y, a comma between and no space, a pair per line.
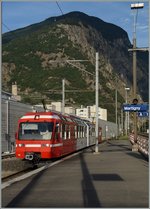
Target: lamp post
126,113
135,7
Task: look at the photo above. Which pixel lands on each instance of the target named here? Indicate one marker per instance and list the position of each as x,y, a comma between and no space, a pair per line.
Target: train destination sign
135,107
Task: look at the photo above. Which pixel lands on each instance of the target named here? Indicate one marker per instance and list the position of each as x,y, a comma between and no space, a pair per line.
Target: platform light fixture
137,6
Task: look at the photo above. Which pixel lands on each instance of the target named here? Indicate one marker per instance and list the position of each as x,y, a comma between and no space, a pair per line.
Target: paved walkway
117,177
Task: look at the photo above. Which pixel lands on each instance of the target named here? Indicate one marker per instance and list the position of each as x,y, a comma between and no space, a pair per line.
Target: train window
67,132
57,131
79,132
93,131
78,129
63,131
37,130
75,129
60,130
83,132
72,131
57,127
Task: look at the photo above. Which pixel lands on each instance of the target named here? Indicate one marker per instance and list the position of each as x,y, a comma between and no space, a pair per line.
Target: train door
57,146
64,138
99,134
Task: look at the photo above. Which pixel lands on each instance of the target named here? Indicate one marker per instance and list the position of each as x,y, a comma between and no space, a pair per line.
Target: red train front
39,136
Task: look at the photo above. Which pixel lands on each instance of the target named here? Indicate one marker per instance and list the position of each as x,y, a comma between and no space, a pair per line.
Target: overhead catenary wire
59,8
6,27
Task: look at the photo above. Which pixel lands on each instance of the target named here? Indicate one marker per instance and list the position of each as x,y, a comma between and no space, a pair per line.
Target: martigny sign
135,107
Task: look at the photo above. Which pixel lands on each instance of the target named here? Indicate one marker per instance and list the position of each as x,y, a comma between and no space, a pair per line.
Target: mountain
35,57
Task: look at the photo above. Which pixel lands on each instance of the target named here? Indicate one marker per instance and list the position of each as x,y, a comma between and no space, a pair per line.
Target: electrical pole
63,96
116,113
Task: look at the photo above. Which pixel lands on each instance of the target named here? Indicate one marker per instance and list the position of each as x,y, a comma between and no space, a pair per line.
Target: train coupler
34,158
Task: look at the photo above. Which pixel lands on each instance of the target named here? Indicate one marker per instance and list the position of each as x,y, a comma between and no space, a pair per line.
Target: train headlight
45,145
21,145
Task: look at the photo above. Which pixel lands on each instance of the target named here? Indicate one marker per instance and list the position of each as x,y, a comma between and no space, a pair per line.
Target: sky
18,14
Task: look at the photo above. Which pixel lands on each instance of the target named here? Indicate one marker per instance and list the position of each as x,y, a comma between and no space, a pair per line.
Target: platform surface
115,177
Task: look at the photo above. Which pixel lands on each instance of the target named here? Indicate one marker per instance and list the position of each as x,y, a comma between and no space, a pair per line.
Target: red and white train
46,135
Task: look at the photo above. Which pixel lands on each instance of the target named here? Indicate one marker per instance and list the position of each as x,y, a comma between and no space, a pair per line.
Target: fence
143,144
109,129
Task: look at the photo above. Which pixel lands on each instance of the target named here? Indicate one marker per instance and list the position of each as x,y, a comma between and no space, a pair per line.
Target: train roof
47,115
58,116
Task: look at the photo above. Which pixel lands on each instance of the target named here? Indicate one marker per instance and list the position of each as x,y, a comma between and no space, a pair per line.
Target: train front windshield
36,131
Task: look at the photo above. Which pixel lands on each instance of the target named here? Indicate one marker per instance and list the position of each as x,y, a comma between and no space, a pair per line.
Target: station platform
116,177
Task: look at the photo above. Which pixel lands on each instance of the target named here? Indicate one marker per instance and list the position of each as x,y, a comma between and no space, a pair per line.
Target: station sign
135,107
143,114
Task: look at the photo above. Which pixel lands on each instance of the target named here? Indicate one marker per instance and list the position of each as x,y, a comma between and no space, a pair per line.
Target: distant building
13,95
58,106
90,113
82,112
70,110
48,106
15,92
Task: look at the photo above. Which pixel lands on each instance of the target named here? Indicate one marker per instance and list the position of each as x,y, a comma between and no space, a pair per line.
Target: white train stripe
56,145
33,145
41,116
39,145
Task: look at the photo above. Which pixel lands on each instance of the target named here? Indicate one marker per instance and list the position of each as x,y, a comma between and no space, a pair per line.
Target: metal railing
143,143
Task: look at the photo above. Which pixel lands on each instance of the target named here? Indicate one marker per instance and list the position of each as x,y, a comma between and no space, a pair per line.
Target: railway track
144,134
7,155
12,176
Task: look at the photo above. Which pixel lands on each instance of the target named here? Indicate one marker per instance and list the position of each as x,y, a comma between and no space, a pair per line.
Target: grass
124,137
